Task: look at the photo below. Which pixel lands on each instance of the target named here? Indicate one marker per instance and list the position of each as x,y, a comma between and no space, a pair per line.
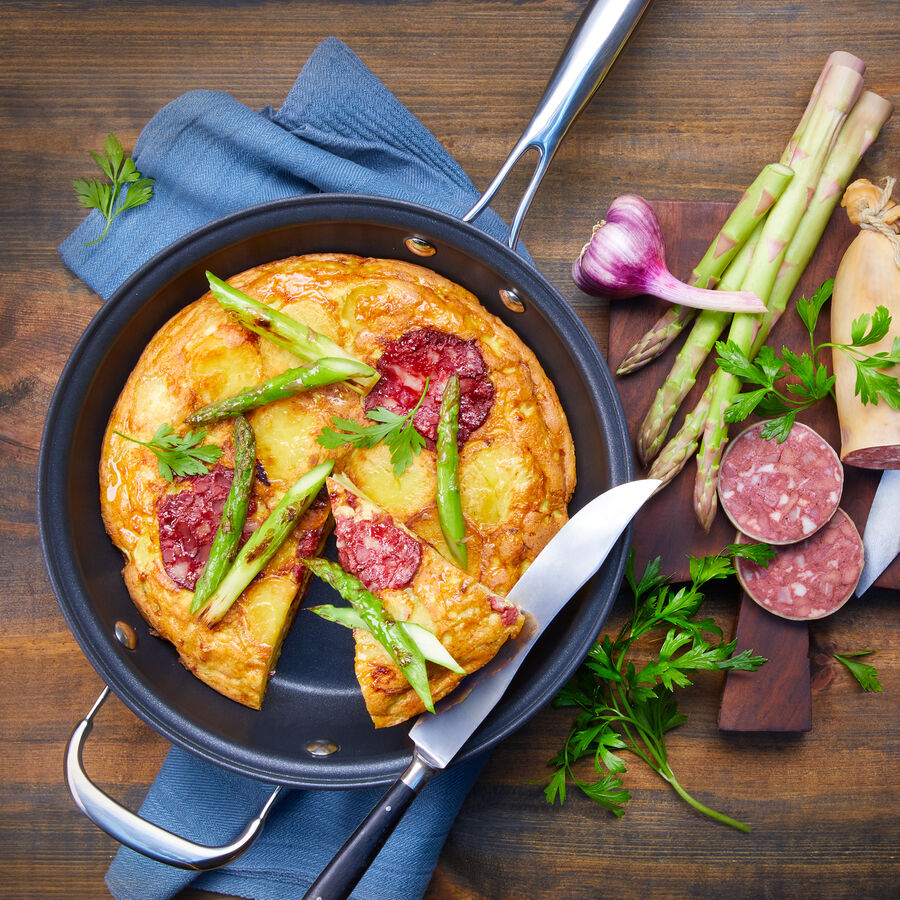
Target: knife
571,557
881,539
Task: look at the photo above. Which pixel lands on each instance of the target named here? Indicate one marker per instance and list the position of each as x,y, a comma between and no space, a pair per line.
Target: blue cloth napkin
338,130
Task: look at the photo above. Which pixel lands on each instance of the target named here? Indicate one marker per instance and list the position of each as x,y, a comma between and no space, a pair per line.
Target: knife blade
881,538
570,558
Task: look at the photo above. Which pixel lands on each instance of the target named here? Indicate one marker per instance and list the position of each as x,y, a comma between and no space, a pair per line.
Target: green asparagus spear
294,336
768,186
265,541
859,131
841,88
327,370
432,649
397,643
234,514
450,514
690,359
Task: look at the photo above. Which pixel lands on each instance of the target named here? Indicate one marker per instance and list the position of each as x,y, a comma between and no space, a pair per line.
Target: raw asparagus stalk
397,643
234,514
858,133
675,318
838,58
756,202
683,445
862,127
841,88
431,648
450,514
690,359
265,541
275,326
327,370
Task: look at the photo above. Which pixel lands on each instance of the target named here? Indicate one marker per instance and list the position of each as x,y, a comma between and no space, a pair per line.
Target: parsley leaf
812,381
866,675
121,171
397,431
625,708
179,455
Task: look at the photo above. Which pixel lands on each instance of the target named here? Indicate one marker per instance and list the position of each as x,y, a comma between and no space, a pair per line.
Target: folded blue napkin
338,130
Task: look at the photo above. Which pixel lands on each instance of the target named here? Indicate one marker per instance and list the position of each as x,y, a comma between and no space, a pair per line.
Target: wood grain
703,96
778,696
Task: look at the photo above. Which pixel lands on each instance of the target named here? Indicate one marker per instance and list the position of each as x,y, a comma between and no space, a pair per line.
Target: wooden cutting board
777,697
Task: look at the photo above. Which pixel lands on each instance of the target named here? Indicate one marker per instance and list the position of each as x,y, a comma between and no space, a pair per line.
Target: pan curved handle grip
140,835
596,41
337,880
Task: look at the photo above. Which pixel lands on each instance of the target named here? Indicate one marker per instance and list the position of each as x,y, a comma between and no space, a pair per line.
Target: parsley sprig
121,171
866,675
397,431
812,380
631,707
179,455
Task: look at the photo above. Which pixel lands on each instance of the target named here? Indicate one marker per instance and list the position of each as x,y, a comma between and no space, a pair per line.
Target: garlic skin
626,257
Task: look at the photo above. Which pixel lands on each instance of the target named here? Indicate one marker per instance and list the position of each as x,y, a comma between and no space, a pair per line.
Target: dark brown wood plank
778,696
704,95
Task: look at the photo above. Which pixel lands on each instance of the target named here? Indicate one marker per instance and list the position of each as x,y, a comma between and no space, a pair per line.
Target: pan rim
95,643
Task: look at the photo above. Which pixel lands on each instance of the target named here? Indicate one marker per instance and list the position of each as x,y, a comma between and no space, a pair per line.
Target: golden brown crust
517,471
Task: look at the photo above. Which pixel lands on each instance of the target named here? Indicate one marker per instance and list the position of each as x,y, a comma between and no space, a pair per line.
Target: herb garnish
179,455
398,431
625,708
866,675
815,383
121,171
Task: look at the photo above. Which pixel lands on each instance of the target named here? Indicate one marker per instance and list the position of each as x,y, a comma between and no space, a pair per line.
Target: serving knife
571,557
881,538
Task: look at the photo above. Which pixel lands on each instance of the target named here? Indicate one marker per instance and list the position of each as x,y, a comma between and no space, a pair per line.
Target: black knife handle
341,875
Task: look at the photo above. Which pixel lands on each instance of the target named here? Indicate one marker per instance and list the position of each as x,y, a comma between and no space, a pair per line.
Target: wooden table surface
703,96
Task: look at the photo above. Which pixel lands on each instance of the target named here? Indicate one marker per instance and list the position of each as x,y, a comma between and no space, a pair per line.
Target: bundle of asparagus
766,244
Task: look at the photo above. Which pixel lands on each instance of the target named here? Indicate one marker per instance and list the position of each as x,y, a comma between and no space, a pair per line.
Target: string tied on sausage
873,209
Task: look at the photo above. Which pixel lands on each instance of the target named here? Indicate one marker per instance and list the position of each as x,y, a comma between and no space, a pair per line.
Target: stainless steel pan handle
137,833
599,36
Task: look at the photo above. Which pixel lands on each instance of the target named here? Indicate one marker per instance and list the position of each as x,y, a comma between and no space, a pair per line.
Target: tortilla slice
416,584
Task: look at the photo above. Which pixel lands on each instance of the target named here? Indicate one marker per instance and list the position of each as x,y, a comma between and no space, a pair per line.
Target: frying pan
297,739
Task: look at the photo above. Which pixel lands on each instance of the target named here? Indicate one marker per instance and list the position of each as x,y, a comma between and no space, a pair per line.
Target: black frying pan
313,701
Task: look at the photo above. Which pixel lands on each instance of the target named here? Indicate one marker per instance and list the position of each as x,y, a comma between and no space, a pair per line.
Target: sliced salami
810,579
780,493
188,521
435,355
377,552
884,457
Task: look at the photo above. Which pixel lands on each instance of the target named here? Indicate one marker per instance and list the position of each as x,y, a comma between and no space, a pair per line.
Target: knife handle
341,875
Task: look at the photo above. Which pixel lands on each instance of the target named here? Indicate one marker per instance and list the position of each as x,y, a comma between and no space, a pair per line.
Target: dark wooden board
666,526
777,696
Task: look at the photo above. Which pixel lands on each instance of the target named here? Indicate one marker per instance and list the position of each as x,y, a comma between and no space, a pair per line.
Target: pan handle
139,834
596,41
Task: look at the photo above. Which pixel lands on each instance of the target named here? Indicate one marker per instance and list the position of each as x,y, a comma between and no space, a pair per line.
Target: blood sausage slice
780,493
377,552
810,579
435,355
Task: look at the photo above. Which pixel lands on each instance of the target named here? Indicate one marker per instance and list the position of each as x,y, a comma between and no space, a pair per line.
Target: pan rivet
420,246
125,635
511,300
322,748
